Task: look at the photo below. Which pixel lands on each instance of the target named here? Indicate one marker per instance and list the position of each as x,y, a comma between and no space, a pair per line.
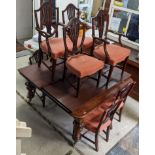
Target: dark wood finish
108,114
123,94
31,90
46,12
134,71
62,93
101,23
72,31
71,11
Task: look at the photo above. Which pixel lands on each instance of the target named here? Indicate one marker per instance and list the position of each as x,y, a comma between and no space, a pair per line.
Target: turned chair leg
65,71
78,87
43,100
120,114
53,68
96,142
99,77
107,133
124,66
40,57
109,75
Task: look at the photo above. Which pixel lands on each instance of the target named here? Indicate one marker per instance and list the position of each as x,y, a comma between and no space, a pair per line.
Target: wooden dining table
63,94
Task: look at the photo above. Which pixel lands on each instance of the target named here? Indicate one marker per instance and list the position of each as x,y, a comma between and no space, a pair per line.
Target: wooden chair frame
124,94
46,20
72,31
101,22
72,11
107,114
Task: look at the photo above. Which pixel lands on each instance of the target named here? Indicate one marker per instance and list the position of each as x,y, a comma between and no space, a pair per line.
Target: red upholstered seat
91,121
116,53
83,65
88,42
57,46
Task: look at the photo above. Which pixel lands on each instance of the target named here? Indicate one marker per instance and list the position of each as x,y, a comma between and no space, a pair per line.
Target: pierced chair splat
112,54
79,64
49,44
100,120
70,12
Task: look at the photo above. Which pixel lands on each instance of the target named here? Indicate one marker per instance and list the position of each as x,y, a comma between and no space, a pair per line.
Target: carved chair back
44,18
100,24
69,12
124,92
71,32
118,98
109,113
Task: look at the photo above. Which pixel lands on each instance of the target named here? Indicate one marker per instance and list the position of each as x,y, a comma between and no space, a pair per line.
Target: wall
23,19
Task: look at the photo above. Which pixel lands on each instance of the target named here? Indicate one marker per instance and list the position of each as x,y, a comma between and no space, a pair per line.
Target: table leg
77,127
31,90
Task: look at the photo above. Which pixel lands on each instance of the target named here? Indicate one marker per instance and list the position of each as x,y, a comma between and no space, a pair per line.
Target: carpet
62,123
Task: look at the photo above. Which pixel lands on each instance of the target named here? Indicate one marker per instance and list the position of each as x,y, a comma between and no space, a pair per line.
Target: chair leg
96,142
124,66
65,71
120,114
40,57
43,100
109,75
78,87
107,133
99,77
53,68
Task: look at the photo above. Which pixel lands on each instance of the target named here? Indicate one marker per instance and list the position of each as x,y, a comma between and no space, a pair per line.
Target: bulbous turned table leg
77,127
31,90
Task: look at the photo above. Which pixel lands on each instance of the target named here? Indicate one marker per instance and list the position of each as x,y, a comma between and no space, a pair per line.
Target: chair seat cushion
83,65
57,47
91,121
116,53
88,42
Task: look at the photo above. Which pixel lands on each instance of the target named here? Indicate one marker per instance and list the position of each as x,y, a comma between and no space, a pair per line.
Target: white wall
23,19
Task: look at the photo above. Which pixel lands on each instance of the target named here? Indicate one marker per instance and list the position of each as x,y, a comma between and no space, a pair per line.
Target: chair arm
45,34
120,35
100,39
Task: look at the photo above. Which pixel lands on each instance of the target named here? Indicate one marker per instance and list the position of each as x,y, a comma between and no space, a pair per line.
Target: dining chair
76,62
115,55
49,43
100,120
67,14
123,95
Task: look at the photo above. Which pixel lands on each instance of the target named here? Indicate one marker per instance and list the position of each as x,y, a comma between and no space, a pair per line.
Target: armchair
111,54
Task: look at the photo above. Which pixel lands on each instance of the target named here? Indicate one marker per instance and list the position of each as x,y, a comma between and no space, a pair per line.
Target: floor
129,145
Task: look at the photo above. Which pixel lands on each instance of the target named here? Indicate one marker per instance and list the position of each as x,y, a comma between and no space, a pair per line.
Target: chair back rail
71,31
101,23
109,113
70,11
120,97
44,19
